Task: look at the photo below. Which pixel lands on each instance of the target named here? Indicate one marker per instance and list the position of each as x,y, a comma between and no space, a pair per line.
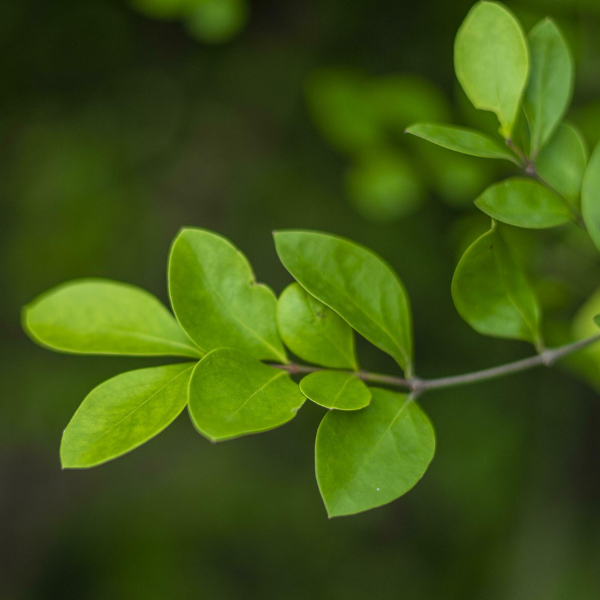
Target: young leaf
123,413
355,283
98,316
491,293
491,61
562,162
463,140
590,197
550,88
370,457
524,203
335,389
313,331
232,394
217,300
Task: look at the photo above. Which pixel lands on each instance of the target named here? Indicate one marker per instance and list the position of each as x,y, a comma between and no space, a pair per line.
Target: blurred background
120,123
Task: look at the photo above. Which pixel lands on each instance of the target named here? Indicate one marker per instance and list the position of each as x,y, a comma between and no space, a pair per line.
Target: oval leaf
335,389
550,86
233,394
123,413
590,197
355,283
313,331
491,293
562,162
98,316
491,61
217,300
524,203
370,457
463,140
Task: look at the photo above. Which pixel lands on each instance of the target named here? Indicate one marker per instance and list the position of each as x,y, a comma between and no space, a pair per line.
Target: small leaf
98,316
590,197
233,394
313,331
123,413
463,140
217,300
524,203
336,389
370,457
491,293
562,162
356,284
550,88
491,61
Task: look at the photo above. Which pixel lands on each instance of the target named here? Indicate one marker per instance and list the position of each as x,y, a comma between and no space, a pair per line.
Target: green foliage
355,283
217,300
96,316
491,60
461,139
562,162
590,197
370,457
550,87
373,445
524,203
233,394
336,390
124,412
313,331
490,291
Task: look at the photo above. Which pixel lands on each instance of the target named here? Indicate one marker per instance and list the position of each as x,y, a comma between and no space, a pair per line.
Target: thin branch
416,386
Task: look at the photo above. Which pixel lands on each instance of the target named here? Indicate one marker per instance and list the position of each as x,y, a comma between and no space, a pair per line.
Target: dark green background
117,130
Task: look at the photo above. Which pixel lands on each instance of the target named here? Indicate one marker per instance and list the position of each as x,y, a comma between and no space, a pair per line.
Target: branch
546,358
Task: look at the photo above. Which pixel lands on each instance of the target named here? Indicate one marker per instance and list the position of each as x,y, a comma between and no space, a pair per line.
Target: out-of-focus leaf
232,394
336,390
98,316
550,88
123,413
384,186
404,99
216,21
462,139
491,61
370,457
162,9
354,282
590,197
562,162
313,331
217,300
491,293
524,203
342,111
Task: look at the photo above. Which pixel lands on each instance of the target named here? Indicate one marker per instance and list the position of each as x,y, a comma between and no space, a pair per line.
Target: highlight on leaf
336,390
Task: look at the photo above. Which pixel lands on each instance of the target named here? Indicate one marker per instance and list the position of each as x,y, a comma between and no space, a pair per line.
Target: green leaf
370,457
590,197
313,331
524,203
217,300
550,88
562,162
463,140
123,413
98,316
233,394
491,293
491,61
336,389
356,284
